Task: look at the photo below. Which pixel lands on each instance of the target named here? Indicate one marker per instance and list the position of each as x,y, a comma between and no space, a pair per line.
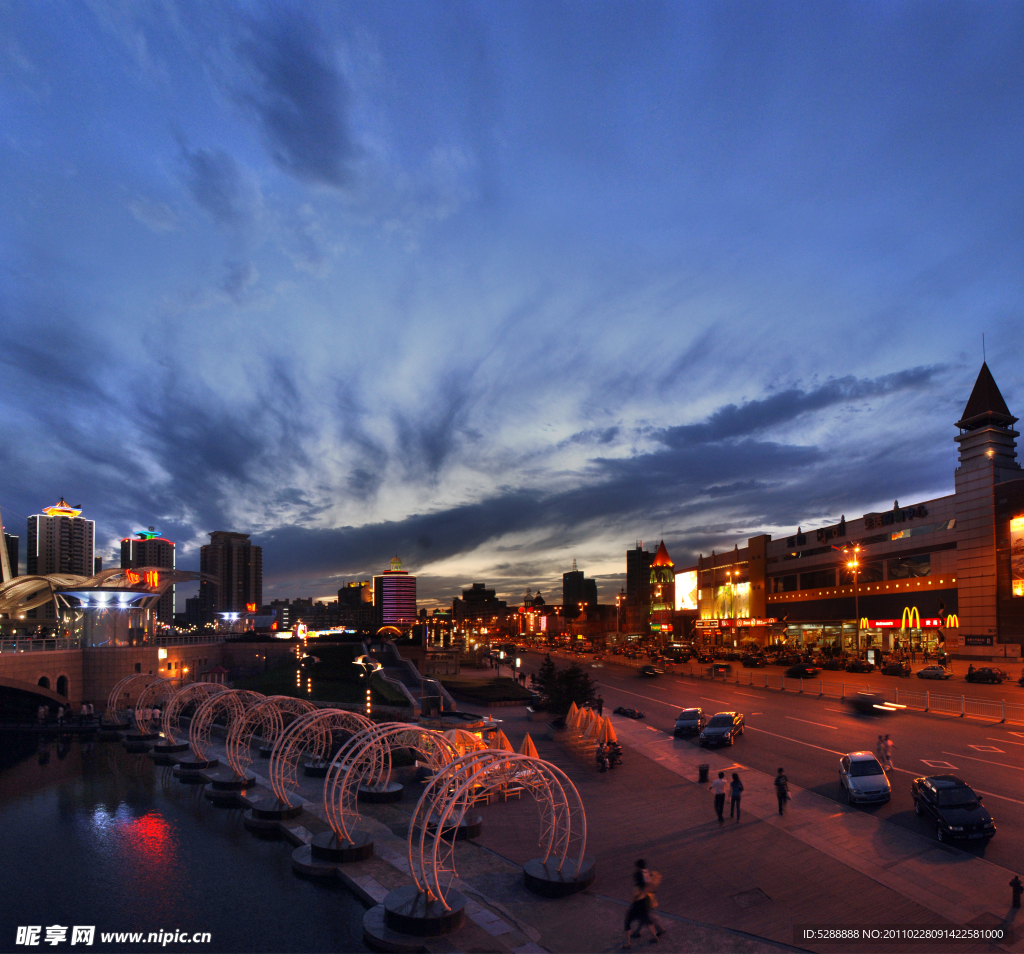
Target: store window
784,584
905,568
817,579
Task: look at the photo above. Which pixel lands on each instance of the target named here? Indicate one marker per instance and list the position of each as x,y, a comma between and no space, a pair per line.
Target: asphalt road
807,735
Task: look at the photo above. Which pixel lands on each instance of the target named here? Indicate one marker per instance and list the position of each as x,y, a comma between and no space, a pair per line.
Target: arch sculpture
157,693
231,704
265,719
443,804
122,691
312,733
195,693
364,761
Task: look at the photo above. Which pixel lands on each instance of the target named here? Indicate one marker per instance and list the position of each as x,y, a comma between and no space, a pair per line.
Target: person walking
887,746
880,750
600,705
718,786
640,908
736,790
60,715
41,715
782,790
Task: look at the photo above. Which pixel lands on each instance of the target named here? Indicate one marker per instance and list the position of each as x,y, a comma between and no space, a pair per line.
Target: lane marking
724,702
1007,741
1005,798
958,755
944,765
749,695
988,748
821,724
754,728
757,713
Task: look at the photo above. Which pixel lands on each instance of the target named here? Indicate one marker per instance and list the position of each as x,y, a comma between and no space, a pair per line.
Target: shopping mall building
941,573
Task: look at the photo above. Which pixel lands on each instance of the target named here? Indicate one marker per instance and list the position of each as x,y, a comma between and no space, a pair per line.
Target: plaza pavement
738,887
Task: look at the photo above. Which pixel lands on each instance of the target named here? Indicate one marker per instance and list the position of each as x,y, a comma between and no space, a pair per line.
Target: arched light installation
364,761
194,693
120,697
312,734
445,800
266,719
157,693
231,704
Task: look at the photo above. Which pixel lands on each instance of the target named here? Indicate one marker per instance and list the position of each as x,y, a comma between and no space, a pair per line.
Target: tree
571,685
544,678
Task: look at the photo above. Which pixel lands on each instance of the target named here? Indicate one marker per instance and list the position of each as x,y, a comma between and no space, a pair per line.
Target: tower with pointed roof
988,452
662,589
60,540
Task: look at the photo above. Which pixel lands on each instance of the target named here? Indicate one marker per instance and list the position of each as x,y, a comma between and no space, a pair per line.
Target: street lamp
370,666
854,564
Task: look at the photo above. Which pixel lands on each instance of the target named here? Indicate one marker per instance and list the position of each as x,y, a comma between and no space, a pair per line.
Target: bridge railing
37,645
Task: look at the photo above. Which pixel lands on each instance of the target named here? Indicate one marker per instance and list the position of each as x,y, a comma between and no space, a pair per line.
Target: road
807,735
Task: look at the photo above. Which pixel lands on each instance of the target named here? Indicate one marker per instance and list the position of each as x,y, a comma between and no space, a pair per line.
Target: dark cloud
301,103
217,184
731,421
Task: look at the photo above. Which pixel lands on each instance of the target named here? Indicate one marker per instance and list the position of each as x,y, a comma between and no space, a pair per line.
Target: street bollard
821,688
1017,886
927,700
1003,707
963,708
702,772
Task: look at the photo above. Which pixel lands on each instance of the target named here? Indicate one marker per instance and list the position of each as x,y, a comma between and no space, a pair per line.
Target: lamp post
854,564
370,666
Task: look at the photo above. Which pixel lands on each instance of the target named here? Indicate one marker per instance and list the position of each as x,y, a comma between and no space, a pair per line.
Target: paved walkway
739,887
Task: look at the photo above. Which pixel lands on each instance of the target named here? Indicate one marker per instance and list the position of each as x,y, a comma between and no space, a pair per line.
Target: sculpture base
316,769
381,794
270,809
408,911
305,864
547,881
167,748
379,937
262,827
266,753
196,765
229,782
327,847
469,827
136,747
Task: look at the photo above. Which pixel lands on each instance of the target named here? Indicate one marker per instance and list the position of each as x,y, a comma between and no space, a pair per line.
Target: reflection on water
93,835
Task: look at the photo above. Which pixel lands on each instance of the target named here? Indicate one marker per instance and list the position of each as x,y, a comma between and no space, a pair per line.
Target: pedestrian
41,715
880,750
641,906
736,788
718,786
82,713
887,746
600,705
782,790
60,715
92,713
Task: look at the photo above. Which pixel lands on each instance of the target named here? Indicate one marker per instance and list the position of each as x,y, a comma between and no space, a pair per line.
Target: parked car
952,805
860,665
689,722
834,665
802,671
722,729
629,713
718,669
705,657
650,671
864,778
754,661
934,672
896,669
986,674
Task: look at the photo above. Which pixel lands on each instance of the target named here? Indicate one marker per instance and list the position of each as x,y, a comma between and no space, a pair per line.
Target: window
784,584
869,767
903,568
817,579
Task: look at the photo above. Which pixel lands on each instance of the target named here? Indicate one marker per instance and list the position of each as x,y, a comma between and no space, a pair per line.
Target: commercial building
577,591
11,546
945,573
394,597
232,575
60,540
148,549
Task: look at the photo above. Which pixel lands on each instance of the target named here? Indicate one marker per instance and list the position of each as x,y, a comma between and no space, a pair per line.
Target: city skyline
494,289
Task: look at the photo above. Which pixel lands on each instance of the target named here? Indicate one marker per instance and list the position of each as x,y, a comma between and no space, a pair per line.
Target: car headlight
956,827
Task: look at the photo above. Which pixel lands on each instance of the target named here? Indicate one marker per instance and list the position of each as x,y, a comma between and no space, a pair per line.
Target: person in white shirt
719,786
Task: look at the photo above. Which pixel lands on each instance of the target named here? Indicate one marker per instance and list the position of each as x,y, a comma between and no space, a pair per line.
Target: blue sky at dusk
494,286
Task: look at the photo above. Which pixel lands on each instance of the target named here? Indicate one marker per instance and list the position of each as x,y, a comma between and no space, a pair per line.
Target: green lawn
487,690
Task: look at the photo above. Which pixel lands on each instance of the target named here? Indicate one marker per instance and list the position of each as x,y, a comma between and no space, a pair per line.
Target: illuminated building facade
394,597
232,575
662,590
60,540
945,573
148,549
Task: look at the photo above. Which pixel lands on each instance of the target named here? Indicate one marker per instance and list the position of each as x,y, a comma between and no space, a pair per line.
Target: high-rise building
237,567
355,603
577,592
11,542
148,549
394,597
60,540
662,590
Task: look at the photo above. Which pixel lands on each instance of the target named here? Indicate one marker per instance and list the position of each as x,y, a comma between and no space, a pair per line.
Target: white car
934,672
864,778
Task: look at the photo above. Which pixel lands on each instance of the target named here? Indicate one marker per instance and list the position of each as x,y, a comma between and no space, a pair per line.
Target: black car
705,658
860,665
650,671
986,674
689,722
719,669
802,671
868,703
722,729
896,669
753,660
629,713
952,805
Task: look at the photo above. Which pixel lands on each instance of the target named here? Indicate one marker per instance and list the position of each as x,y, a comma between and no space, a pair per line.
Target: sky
495,286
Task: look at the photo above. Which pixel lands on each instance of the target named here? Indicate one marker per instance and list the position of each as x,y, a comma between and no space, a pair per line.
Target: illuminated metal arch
231,703
444,802
160,690
266,719
388,631
312,733
364,761
123,688
194,692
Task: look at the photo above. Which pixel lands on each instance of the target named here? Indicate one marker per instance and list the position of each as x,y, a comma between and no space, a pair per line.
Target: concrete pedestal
381,794
546,880
408,911
469,827
316,769
327,847
379,937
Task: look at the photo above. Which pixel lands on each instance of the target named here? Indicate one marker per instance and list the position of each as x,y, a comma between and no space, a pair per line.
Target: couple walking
735,789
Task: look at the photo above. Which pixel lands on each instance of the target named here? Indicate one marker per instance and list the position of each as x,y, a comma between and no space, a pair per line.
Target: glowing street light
370,666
